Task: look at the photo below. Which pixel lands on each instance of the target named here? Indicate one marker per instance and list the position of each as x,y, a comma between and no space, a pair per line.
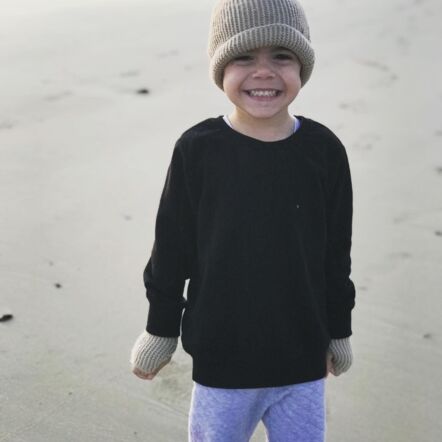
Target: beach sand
93,96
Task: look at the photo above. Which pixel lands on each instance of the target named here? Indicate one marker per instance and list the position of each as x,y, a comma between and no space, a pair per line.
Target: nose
263,68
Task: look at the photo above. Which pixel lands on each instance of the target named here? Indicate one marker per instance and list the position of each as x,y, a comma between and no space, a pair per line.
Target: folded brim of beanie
273,35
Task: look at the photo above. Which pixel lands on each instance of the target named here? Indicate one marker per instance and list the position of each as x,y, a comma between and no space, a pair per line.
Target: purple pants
292,413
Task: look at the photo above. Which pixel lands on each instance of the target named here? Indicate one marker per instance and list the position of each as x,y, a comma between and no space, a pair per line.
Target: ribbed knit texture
238,26
262,231
150,352
342,356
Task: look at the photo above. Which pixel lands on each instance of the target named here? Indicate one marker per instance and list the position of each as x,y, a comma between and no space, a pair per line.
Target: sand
83,159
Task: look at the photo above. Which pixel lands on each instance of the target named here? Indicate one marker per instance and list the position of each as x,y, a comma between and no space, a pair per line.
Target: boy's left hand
329,364
339,356
148,376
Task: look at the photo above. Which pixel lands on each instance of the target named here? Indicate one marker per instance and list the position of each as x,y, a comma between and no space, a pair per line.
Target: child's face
263,82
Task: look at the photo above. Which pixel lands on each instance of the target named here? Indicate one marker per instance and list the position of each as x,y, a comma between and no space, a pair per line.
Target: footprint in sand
356,106
401,218
7,124
387,77
400,255
167,54
403,45
58,96
132,73
366,141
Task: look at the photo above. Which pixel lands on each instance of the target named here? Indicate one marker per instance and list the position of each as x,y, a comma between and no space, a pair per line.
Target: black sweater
263,232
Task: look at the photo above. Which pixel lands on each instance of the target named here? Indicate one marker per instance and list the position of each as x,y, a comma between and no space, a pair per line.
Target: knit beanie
238,26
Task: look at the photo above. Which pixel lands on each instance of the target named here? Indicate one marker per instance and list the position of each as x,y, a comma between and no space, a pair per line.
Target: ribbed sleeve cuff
164,320
339,325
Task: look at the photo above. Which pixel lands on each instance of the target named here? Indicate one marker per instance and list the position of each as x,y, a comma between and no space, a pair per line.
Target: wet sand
94,95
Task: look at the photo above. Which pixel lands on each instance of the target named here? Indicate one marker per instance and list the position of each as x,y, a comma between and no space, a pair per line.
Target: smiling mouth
263,92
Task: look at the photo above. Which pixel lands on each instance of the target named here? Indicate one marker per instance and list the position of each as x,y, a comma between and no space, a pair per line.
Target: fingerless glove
150,352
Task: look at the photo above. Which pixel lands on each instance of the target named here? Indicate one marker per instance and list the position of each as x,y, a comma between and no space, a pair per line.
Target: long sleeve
262,230
340,288
170,261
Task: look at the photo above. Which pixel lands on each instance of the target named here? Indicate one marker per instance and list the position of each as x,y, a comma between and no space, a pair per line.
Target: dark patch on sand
57,285
6,317
143,91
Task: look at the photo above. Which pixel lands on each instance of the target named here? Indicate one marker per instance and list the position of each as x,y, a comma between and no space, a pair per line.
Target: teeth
263,93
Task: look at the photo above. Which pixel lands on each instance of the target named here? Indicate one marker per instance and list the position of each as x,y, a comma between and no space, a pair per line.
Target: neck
264,129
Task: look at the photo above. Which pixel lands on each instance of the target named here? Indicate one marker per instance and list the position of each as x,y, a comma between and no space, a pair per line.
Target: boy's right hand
150,354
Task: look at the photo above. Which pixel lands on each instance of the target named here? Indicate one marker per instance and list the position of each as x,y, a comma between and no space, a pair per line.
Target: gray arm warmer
342,356
150,351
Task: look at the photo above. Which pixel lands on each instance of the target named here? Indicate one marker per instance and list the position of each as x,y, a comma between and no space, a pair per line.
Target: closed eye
243,57
284,56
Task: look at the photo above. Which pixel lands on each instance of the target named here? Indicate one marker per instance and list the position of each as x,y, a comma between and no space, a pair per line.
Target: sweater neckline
293,137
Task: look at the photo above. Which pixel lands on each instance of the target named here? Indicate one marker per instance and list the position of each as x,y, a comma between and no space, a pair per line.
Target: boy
256,211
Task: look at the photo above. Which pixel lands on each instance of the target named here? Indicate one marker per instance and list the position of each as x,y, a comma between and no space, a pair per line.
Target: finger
330,364
329,361
149,376
142,375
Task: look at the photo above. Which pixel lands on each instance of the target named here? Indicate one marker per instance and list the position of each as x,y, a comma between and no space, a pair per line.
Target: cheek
295,82
292,73
230,81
